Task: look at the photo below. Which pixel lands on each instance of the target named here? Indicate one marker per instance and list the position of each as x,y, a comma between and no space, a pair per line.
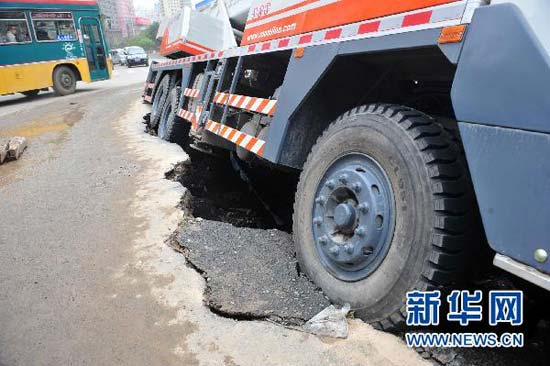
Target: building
152,13
141,23
126,15
118,19
169,8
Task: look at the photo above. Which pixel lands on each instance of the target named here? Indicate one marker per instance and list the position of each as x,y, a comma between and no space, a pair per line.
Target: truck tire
384,206
194,102
159,100
171,127
64,80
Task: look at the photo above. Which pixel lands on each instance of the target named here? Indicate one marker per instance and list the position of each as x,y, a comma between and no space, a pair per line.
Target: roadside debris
331,322
12,149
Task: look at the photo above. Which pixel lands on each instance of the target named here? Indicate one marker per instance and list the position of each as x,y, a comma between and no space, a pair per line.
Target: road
86,276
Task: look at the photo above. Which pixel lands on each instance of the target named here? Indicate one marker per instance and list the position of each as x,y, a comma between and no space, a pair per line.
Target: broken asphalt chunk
3,150
16,147
331,322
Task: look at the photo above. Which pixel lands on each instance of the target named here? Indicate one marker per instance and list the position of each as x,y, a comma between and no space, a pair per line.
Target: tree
145,39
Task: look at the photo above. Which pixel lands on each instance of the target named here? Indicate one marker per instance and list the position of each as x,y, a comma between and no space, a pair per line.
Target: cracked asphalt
86,275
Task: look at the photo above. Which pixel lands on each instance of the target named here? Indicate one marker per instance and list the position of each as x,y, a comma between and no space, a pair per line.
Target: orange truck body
270,19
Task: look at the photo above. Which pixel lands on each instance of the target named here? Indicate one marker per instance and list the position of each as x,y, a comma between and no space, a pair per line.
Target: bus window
13,27
53,26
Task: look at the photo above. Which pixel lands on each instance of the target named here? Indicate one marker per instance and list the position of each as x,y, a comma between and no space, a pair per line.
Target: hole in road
220,194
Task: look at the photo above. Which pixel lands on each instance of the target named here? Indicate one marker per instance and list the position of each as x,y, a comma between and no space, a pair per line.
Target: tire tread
451,193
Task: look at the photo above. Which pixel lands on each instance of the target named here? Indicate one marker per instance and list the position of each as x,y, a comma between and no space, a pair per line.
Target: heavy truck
421,129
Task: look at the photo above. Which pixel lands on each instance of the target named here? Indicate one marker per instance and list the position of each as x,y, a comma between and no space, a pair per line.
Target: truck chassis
368,112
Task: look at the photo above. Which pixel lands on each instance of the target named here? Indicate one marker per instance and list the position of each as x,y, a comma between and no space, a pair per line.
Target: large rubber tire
172,128
434,220
31,93
197,84
64,80
159,99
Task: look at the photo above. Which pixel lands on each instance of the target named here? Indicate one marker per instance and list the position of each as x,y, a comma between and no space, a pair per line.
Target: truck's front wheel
383,207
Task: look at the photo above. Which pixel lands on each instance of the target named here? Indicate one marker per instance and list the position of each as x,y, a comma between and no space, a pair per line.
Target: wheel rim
353,217
66,80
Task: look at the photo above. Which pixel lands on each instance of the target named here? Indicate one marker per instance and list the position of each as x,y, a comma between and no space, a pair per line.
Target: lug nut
344,178
356,187
349,249
335,250
330,184
360,231
320,200
318,221
541,255
363,208
323,240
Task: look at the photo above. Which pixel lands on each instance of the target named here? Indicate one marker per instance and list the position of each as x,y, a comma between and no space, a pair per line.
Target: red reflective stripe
417,19
369,27
284,43
266,46
305,39
333,34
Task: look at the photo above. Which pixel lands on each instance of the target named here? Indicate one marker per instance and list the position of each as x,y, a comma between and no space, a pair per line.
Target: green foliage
145,39
143,42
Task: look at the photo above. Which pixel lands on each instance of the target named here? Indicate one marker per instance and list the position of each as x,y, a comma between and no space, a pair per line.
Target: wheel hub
353,217
345,217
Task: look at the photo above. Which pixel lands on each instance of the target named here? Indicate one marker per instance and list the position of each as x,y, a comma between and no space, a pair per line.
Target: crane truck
420,127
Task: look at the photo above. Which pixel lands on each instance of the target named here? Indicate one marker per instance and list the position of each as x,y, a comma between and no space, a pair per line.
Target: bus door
94,48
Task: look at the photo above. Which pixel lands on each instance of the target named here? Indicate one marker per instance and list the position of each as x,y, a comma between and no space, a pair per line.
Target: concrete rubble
12,149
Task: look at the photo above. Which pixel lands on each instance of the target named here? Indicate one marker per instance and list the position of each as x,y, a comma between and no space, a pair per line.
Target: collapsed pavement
250,273
230,238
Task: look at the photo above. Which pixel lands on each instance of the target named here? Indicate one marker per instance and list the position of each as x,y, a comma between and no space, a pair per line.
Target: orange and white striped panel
191,117
248,142
253,104
186,115
147,98
191,93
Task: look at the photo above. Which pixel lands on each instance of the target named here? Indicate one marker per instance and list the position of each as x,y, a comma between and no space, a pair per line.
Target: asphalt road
86,276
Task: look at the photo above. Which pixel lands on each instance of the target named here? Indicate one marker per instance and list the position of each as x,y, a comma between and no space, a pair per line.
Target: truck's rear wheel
159,100
383,207
64,80
197,84
171,127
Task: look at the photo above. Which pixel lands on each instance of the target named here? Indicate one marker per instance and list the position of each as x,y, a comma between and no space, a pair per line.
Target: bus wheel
384,206
64,80
31,93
